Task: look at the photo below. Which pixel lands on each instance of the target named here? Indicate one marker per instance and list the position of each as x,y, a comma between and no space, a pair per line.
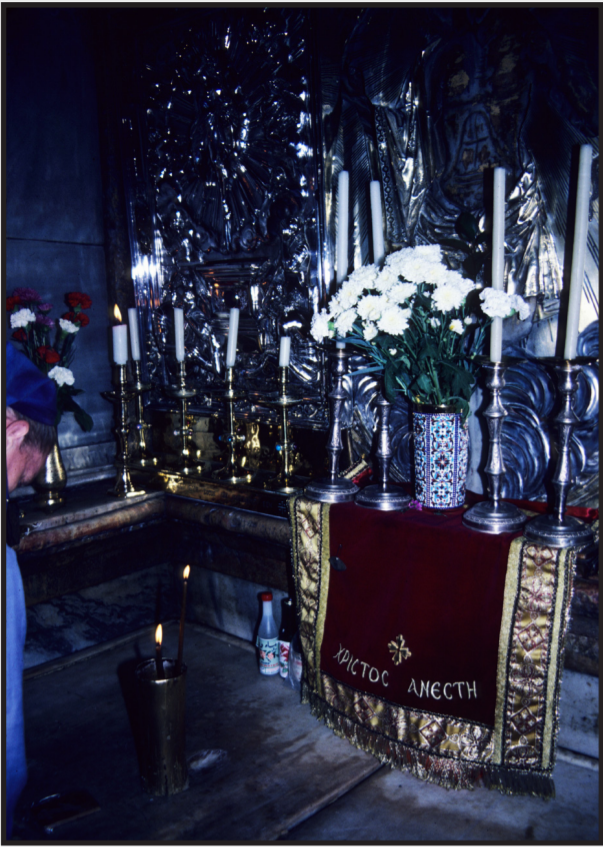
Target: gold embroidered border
517,754
310,547
535,616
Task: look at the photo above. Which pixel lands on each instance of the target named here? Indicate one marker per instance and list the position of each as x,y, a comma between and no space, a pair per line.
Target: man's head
28,443
30,416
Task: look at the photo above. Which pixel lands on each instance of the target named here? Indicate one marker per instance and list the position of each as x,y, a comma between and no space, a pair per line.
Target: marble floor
94,615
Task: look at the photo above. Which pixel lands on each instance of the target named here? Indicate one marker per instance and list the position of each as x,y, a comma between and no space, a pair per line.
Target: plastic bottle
267,640
285,635
295,662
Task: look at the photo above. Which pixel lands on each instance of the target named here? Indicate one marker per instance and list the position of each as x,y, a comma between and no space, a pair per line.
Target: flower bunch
32,327
419,321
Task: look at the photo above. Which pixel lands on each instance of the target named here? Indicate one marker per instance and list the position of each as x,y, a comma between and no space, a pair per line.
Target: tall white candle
233,330
285,352
580,235
120,344
498,258
134,338
343,201
377,221
179,332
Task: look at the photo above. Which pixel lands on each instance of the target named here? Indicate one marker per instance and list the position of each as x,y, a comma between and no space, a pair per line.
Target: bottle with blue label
267,640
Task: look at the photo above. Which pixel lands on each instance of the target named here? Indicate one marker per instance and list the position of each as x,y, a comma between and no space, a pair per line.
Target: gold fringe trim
448,773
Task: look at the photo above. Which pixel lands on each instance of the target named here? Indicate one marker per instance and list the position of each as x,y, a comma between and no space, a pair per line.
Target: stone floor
274,773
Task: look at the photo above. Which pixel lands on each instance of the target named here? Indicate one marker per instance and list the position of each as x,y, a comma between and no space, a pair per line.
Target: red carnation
70,316
76,298
20,335
48,355
11,302
82,318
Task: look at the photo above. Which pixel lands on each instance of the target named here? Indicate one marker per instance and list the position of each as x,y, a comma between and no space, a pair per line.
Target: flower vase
51,481
441,450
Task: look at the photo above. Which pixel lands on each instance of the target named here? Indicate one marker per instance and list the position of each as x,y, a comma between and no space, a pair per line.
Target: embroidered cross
398,650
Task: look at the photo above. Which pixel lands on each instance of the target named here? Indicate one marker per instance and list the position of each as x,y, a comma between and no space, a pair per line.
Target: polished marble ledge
91,510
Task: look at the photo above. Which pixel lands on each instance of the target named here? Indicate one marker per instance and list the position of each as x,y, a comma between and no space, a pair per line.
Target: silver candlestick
495,515
559,529
383,495
334,489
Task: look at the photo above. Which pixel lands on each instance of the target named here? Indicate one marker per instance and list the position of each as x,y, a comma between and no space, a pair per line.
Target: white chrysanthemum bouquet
420,322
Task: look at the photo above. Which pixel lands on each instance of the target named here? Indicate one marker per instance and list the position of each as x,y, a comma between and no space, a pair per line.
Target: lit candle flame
186,572
117,313
158,634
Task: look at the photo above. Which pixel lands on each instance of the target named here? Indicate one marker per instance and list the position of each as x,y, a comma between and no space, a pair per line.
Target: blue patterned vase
441,449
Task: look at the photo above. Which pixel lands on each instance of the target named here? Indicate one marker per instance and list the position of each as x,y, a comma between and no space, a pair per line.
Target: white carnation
401,291
371,307
394,321
67,326
22,318
364,277
345,321
62,376
456,326
386,280
470,319
451,295
320,326
521,307
496,303
434,323
369,331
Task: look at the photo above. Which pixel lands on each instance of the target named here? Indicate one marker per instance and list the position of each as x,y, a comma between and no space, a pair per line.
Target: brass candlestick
282,400
234,469
559,529
334,489
120,398
138,388
494,516
183,393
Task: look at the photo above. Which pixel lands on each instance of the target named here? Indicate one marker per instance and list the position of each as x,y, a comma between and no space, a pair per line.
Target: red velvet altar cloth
425,578
435,648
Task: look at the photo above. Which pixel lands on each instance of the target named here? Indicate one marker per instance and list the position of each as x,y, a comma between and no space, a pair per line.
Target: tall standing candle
120,340
343,199
179,333
498,258
285,352
134,338
377,221
580,235
185,576
233,330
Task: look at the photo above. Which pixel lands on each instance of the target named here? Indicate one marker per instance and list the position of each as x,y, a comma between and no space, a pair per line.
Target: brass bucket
161,709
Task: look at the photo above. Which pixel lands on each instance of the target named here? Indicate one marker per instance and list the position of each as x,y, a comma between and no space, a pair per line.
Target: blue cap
28,390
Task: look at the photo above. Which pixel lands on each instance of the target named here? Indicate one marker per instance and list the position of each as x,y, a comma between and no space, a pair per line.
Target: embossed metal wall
243,122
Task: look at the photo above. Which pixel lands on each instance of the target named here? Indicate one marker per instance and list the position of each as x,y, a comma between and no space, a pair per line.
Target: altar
291,242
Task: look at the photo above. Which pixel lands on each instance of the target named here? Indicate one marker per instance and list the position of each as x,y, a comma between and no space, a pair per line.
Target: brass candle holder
183,393
334,489
120,398
234,469
558,529
282,400
138,388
